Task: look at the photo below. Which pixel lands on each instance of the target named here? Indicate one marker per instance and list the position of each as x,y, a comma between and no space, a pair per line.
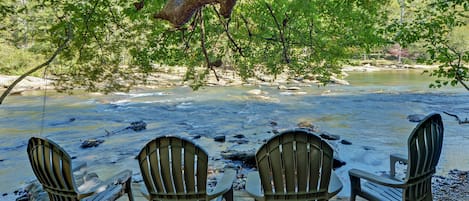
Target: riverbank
167,77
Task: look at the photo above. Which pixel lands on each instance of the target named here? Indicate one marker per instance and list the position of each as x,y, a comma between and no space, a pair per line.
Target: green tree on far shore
441,27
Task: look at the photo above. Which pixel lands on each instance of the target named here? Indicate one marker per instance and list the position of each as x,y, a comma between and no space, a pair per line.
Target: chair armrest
253,185
393,158
110,194
225,185
359,174
121,179
335,185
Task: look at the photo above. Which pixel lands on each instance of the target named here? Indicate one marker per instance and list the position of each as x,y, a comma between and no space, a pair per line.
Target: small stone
328,136
276,132
338,163
282,87
368,148
239,136
239,141
415,117
219,138
5,194
345,142
196,137
293,88
255,92
273,123
1,160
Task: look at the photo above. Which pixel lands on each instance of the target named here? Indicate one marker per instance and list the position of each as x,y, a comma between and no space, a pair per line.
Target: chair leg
229,195
128,189
353,196
355,186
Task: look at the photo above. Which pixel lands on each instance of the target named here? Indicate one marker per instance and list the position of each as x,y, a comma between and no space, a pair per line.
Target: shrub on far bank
15,61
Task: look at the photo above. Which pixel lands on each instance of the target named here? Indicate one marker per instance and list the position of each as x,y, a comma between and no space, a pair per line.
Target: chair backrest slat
276,165
303,163
424,147
314,166
202,169
165,167
177,167
189,168
177,148
295,164
288,160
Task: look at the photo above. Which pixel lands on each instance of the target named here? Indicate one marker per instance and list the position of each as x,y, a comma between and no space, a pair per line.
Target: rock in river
219,138
91,143
415,117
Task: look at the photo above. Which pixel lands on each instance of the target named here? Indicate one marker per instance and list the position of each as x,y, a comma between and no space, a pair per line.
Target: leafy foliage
114,44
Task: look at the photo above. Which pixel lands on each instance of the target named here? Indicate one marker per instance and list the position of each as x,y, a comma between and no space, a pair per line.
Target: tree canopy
107,45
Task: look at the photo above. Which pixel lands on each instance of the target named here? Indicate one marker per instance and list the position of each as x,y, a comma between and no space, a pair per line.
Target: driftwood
465,121
179,12
94,142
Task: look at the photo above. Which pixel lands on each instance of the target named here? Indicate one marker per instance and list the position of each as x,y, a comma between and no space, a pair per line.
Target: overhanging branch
19,79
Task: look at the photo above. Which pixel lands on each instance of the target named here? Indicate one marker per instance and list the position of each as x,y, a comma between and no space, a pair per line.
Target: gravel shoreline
451,187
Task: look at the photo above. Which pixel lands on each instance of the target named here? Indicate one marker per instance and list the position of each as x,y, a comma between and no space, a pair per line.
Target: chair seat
382,192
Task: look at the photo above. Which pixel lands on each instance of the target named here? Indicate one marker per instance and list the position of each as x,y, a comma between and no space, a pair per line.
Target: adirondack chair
424,148
53,168
294,165
176,169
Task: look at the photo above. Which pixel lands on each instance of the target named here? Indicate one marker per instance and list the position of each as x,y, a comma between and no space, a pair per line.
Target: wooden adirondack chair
424,148
294,165
53,168
176,169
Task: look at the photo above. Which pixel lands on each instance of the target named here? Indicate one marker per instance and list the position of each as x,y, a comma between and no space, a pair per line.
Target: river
371,113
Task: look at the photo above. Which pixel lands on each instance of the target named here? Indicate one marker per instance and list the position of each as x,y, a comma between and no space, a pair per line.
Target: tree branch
225,28
202,41
19,79
456,67
282,37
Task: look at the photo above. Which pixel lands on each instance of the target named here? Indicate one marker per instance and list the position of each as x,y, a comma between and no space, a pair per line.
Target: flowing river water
371,113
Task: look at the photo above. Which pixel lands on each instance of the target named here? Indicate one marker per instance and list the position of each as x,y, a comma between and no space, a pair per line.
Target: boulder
247,157
91,143
137,126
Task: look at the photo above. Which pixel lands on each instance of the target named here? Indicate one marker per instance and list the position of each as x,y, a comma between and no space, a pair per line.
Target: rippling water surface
371,113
